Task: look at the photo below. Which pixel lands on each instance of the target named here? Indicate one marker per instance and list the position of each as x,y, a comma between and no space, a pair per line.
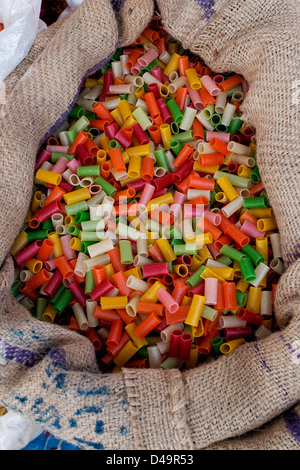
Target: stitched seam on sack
178,410
134,407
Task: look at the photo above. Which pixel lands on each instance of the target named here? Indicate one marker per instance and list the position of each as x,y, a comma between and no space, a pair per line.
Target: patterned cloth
46,441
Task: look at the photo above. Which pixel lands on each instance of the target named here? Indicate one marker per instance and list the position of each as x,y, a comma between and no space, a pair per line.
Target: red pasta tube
78,293
163,181
238,332
183,170
115,333
46,212
111,130
154,88
229,291
42,158
108,80
31,294
84,155
102,289
204,346
164,111
105,170
123,139
175,340
156,269
250,317
140,134
185,347
220,305
147,325
94,338
28,252
54,283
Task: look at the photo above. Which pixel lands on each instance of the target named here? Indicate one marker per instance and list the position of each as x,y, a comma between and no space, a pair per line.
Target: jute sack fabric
50,374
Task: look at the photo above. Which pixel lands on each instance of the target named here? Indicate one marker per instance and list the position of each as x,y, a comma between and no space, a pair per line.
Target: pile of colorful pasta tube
149,230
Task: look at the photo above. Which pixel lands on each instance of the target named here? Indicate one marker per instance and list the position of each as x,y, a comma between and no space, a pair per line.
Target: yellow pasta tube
204,253
125,109
136,272
166,249
166,135
222,274
196,263
139,342
242,286
172,65
261,245
193,79
160,200
262,212
76,196
57,249
151,294
33,265
199,329
126,353
104,143
193,360
266,224
227,188
48,177
134,167
36,200
101,157
253,300
19,243
119,301
227,348
141,150
195,310
49,314
75,244
200,239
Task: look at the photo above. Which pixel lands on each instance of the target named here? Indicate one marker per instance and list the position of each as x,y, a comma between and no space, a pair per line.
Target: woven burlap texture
156,409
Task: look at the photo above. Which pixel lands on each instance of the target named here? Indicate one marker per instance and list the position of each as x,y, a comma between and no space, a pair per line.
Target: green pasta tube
256,202
80,206
253,254
247,269
161,159
63,301
108,188
92,170
89,282
232,253
125,252
174,110
195,279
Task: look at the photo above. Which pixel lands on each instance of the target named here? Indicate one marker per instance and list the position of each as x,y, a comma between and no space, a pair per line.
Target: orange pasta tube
38,280
105,170
81,138
181,97
211,159
148,168
55,195
156,253
219,146
99,274
206,97
149,307
179,316
183,155
108,315
155,134
147,325
230,83
45,250
162,217
117,160
183,64
207,226
133,57
120,280
115,333
115,259
64,267
195,181
198,130
229,291
152,105
102,112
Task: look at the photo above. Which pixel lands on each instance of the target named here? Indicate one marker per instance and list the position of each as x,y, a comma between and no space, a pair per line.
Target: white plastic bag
21,19
16,431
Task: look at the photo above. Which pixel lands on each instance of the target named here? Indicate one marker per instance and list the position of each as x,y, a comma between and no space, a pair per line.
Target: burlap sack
247,400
